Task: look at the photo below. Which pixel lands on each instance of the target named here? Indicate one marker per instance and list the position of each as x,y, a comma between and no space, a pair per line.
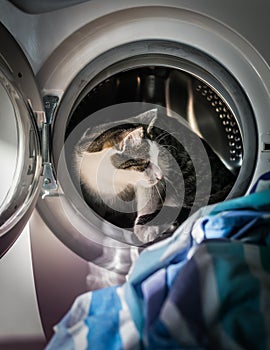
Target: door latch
49,183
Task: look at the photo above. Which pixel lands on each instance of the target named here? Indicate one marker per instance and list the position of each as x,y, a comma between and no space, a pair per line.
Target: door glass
19,154
8,144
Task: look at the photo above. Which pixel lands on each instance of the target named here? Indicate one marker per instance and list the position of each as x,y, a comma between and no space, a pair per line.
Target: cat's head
138,157
113,157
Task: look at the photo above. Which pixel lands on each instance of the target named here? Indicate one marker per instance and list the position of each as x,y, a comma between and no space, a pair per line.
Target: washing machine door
20,153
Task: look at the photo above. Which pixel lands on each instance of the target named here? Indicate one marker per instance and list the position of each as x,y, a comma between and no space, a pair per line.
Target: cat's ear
151,125
131,138
147,118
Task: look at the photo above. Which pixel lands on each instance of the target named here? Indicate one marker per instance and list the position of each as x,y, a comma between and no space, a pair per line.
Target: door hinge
49,184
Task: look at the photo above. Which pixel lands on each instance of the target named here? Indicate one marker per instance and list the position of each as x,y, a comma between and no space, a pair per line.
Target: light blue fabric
255,201
234,224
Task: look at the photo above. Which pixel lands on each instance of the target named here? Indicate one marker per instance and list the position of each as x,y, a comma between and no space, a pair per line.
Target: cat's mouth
153,182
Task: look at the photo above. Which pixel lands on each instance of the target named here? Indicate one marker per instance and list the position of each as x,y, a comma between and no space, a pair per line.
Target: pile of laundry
206,287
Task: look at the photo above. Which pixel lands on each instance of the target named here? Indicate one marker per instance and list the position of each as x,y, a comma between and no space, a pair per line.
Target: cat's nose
159,176
157,172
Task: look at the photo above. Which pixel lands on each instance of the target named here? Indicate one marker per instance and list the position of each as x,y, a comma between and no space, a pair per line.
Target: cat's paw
147,234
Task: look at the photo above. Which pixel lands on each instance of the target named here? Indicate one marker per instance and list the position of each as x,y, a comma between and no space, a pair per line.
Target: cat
130,172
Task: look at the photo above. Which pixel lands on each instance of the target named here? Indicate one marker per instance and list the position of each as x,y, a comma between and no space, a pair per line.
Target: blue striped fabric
206,287
104,302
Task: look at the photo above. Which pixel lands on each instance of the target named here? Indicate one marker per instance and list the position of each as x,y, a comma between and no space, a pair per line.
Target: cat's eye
142,164
136,164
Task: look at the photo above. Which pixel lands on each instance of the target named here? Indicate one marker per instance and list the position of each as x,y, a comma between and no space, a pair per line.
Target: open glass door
20,153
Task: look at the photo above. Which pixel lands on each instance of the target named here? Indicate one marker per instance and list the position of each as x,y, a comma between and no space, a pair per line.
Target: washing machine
63,63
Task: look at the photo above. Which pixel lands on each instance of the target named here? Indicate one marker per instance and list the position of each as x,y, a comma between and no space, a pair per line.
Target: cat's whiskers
156,188
170,182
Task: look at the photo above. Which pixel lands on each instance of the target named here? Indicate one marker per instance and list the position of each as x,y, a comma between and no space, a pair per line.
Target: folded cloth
206,287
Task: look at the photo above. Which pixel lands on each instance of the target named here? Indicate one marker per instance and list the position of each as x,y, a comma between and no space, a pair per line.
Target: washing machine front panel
20,146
